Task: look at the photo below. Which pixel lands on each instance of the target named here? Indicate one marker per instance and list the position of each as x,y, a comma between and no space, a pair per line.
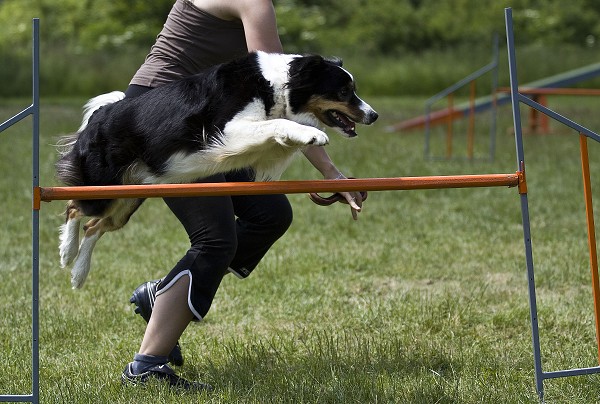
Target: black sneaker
162,372
143,297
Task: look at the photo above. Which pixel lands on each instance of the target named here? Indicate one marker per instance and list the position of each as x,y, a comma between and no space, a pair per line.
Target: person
227,234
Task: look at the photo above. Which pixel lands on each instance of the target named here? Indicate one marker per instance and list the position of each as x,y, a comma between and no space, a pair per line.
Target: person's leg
186,293
170,317
171,312
210,224
262,220
134,90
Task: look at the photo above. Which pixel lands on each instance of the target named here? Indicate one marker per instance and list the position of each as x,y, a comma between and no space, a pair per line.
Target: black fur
135,128
228,117
187,115
314,76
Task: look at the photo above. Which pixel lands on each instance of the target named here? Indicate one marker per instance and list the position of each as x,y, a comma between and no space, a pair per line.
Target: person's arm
260,26
319,158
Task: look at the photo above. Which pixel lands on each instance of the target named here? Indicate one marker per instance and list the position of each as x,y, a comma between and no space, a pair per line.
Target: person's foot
143,298
162,372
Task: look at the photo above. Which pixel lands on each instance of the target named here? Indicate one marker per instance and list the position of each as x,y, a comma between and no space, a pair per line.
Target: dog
256,111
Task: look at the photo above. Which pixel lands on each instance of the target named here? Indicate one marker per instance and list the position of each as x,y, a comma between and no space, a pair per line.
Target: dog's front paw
305,136
319,139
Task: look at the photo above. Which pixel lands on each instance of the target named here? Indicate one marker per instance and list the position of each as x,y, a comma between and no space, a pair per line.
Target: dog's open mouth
343,122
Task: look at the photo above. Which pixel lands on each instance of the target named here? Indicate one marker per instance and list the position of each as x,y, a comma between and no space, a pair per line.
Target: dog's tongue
349,126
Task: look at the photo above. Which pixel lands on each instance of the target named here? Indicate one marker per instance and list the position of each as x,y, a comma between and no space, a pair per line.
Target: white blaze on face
363,106
366,108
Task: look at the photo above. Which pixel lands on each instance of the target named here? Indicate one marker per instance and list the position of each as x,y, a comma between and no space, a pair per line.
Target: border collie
256,111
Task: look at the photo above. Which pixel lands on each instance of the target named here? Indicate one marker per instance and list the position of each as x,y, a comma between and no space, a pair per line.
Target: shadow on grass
342,367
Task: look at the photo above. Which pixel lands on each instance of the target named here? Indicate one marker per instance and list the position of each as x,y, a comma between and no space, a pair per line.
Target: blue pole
34,110
35,266
535,337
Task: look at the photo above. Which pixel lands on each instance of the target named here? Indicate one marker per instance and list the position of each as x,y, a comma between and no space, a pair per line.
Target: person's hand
354,199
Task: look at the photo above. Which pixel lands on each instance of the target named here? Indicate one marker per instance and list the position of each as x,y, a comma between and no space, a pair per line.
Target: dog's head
324,89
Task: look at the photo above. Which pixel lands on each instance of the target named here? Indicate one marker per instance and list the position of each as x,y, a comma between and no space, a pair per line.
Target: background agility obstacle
538,90
53,193
486,103
539,95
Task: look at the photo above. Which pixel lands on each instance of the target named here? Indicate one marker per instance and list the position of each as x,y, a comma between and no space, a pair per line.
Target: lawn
422,300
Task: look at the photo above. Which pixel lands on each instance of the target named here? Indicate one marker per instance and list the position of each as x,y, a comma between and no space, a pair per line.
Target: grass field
423,300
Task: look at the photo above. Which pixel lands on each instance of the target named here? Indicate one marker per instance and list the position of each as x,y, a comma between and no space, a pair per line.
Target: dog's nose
372,117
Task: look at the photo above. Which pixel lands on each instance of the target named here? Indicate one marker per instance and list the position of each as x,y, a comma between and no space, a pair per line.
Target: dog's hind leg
69,235
94,229
81,268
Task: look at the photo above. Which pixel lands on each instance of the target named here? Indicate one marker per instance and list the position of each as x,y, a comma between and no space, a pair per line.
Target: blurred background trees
103,42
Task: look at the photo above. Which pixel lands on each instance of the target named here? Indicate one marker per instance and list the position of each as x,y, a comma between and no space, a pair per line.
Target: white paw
80,271
69,242
306,136
82,265
67,255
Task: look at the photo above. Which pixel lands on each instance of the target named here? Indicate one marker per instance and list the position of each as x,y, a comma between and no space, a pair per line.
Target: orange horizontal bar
554,91
435,117
277,187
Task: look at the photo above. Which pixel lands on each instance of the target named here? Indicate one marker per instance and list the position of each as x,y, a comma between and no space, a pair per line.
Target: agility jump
517,179
47,194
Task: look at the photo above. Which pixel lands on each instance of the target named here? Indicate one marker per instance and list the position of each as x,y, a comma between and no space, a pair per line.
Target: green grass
65,73
423,300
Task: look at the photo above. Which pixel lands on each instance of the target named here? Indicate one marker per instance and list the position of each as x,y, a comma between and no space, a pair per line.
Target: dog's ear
305,65
302,70
308,62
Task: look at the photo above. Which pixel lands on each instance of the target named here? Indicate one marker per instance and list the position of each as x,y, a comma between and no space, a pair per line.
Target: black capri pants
226,233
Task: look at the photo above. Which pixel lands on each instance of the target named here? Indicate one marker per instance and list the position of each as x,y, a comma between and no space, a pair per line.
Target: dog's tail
65,143
66,167
68,171
96,103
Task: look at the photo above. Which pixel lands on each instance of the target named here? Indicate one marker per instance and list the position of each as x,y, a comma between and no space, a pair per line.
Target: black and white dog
256,111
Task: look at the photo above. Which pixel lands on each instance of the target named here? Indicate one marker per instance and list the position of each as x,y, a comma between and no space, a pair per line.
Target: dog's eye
344,93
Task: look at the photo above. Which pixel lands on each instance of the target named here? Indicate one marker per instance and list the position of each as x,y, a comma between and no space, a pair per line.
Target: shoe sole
176,382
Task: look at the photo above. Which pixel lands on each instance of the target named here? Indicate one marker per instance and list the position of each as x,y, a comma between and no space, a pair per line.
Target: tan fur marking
319,105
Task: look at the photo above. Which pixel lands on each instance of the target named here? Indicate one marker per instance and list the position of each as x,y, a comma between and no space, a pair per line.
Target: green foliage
83,26
125,23
89,46
299,27
378,26
389,27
